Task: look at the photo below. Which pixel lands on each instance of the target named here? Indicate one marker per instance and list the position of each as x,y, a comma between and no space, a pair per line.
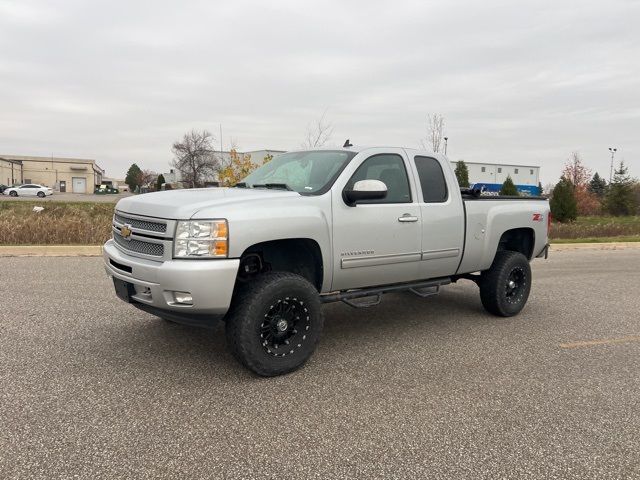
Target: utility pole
613,152
446,141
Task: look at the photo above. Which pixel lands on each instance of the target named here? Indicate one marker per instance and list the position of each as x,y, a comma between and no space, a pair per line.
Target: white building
491,176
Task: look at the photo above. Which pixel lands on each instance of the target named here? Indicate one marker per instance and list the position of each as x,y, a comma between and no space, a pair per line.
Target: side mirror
365,190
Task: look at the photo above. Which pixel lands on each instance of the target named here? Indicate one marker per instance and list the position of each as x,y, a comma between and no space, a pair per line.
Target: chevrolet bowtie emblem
125,231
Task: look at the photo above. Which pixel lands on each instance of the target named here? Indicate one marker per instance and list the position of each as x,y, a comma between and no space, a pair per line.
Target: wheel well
518,240
301,256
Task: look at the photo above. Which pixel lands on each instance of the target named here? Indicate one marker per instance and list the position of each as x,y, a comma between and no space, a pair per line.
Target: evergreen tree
509,188
462,173
598,185
133,177
159,182
620,198
564,207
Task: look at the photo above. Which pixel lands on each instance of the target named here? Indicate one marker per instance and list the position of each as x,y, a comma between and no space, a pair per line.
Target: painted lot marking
606,341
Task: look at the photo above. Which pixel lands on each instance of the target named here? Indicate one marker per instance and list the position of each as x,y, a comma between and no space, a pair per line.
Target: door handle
407,218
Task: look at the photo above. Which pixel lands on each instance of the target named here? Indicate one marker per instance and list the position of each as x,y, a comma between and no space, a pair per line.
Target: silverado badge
125,231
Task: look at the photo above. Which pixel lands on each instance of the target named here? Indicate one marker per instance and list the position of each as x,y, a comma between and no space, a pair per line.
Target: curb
560,247
96,250
51,251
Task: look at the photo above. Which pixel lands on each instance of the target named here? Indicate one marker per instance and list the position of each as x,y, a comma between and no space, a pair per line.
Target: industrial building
74,175
490,177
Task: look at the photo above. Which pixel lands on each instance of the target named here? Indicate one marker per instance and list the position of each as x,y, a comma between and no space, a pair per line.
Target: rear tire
274,323
505,287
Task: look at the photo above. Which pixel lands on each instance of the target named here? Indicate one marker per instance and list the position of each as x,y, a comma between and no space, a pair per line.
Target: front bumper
210,282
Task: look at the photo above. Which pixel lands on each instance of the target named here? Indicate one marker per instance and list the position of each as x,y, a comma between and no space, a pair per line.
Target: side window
432,182
388,168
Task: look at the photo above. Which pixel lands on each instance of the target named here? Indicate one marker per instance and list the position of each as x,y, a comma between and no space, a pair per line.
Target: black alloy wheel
274,323
505,287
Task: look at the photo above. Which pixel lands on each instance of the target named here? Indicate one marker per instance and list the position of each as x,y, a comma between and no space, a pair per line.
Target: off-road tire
252,308
498,296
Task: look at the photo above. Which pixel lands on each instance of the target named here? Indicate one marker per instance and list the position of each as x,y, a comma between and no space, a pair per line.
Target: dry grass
60,223
88,223
597,227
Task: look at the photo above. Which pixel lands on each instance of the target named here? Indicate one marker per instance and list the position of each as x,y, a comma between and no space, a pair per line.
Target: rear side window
388,168
432,182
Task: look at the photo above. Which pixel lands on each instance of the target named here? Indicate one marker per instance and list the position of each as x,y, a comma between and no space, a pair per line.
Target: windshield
310,172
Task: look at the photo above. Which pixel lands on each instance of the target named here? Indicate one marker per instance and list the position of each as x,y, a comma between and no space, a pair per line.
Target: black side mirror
365,190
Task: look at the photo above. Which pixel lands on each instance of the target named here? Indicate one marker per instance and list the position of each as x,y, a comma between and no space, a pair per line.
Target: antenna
347,144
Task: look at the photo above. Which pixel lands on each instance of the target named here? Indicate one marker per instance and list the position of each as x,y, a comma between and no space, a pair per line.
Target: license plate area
124,290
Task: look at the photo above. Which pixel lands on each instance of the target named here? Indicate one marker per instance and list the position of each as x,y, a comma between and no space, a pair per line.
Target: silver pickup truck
319,226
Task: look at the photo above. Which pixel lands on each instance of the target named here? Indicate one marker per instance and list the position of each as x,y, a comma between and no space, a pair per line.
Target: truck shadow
400,317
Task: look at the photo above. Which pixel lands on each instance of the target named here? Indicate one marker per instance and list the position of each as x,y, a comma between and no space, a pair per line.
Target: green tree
620,198
462,173
159,182
133,177
564,206
598,185
508,187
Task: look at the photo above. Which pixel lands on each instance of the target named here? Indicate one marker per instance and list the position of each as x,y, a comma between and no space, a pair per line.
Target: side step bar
423,288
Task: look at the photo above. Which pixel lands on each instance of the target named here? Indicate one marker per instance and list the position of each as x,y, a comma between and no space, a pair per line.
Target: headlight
202,239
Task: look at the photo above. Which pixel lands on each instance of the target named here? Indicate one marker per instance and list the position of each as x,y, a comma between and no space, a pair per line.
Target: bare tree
575,171
195,157
318,133
435,132
147,177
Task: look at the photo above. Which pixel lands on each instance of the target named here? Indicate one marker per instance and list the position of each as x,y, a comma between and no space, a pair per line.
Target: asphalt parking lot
413,388
70,197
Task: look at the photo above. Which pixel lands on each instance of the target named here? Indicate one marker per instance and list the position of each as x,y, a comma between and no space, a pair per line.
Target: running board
422,289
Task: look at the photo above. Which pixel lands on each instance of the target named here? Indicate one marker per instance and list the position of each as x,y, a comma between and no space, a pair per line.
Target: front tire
505,287
274,323
40,194
13,193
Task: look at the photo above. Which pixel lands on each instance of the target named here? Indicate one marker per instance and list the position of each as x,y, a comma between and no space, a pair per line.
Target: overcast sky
522,82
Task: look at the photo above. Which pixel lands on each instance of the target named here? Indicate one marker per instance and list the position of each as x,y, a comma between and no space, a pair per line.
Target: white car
29,189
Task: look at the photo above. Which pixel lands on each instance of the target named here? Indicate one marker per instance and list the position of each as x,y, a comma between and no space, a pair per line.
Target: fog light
183,298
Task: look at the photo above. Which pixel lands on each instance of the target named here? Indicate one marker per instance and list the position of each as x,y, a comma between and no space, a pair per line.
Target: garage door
79,185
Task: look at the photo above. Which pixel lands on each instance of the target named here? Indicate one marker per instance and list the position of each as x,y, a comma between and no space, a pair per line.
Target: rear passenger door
442,217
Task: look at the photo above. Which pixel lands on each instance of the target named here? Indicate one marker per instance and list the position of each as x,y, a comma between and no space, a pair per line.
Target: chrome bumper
210,282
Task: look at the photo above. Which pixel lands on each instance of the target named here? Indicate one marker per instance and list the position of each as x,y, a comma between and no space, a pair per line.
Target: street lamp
446,140
613,152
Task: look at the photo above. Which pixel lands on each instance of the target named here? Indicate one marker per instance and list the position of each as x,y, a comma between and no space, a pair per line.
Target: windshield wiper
241,185
275,186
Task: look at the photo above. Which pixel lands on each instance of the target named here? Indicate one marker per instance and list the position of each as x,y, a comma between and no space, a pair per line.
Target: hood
184,204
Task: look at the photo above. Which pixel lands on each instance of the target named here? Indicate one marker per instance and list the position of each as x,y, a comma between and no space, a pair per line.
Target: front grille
139,246
142,224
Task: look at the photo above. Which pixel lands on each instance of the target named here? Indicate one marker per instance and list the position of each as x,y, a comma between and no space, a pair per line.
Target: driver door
376,242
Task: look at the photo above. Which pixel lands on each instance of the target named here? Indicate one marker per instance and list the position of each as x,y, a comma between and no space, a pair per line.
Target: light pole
446,140
613,152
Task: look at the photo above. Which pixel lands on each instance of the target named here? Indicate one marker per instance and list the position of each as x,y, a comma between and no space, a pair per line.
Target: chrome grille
142,224
139,246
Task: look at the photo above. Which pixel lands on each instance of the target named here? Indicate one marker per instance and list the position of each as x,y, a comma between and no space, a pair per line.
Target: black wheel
274,323
505,287
40,194
13,193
